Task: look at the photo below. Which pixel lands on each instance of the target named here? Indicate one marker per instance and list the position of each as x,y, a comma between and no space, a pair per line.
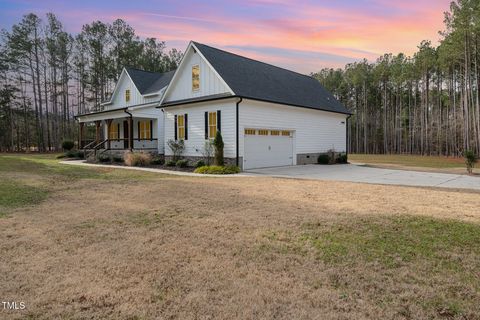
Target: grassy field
399,161
80,243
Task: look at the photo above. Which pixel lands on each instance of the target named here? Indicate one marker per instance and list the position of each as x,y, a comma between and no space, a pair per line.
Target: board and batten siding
315,131
181,87
194,146
118,98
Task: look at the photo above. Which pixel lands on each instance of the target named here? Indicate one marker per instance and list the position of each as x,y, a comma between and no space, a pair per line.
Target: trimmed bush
67,145
137,159
102,157
199,163
71,154
157,160
170,163
61,156
470,160
342,158
218,144
182,163
217,170
324,159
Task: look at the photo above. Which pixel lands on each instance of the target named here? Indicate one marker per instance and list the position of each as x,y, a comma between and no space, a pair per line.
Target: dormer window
195,78
127,95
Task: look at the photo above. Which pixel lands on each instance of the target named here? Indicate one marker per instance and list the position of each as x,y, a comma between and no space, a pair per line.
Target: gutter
237,137
181,103
98,112
347,134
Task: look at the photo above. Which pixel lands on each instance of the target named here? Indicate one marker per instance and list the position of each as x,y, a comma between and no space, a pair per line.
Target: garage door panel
262,151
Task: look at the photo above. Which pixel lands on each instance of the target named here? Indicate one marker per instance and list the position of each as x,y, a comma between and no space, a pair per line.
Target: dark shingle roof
258,80
149,82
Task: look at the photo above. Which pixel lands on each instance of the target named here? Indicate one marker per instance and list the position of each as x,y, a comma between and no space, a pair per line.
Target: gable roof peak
254,79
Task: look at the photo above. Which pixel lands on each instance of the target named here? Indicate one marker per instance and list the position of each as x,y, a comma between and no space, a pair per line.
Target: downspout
237,137
130,125
346,138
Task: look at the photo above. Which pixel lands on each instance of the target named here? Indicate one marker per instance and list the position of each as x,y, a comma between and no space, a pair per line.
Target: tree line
48,75
425,104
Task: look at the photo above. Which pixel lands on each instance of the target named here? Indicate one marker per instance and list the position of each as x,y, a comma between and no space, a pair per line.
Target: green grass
29,179
46,165
396,241
14,194
409,160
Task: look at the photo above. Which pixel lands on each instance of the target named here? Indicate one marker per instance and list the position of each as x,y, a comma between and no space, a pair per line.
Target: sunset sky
303,36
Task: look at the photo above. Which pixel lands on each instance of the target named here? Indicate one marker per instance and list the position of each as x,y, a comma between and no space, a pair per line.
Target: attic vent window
127,95
195,78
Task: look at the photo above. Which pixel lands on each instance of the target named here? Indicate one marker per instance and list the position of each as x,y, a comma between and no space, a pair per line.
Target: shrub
182,163
137,159
102,157
116,158
61,156
470,160
218,170
67,145
71,154
342,158
171,163
199,163
157,160
177,148
208,152
218,144
324,159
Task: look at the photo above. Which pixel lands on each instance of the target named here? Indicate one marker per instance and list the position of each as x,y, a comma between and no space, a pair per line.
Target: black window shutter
219,120
186,126
118,132
151,130
138,131
175,127
206,125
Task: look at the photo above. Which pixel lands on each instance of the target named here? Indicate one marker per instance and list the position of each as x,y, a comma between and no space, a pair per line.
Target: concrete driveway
357,173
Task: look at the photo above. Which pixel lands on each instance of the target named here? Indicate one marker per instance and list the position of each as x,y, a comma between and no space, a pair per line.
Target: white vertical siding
196,126
118,98
314,130
210,83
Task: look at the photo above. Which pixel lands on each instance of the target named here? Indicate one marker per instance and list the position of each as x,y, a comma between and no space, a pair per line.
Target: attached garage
268,148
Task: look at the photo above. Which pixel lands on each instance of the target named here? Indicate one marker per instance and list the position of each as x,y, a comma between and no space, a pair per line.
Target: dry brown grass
164,247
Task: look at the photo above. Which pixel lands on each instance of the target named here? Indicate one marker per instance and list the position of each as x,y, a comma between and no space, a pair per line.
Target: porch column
80,135
97,131
130,133
109,123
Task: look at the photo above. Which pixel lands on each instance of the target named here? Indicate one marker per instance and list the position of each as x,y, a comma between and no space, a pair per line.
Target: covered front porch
117,130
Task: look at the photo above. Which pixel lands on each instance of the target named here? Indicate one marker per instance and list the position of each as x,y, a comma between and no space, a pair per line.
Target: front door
126,134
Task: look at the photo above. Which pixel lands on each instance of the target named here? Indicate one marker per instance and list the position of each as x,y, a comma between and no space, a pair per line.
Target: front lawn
81,242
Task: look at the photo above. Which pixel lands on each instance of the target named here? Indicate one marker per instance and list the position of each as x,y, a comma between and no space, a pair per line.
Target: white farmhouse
268,116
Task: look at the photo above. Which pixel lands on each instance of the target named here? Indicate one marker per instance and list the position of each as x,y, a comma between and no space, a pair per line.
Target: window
275,133
113,133
195,78
127,95
286,133
144,130
181,126
250,131
212,124
263,132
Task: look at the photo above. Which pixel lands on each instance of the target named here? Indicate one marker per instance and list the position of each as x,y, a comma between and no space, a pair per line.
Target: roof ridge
265,63
137,69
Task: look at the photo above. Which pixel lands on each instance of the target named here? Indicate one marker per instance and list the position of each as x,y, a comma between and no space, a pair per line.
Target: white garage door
267,148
